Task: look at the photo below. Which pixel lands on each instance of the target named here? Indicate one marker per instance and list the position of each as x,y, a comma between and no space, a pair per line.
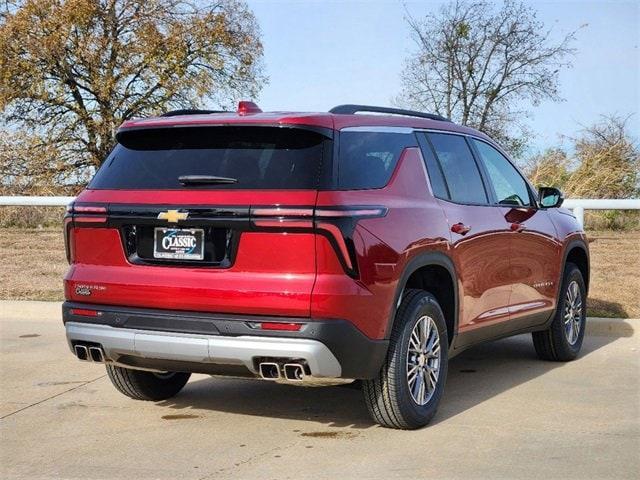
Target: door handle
517,227
460,228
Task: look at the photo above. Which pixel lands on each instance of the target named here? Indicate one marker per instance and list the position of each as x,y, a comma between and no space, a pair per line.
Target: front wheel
407,391
562,341
142,385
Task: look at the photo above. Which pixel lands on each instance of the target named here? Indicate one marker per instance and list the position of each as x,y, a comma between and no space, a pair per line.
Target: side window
510,187
436,177
367,159
459,168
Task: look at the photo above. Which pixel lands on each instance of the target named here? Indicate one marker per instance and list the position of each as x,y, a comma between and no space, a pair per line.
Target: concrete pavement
505,414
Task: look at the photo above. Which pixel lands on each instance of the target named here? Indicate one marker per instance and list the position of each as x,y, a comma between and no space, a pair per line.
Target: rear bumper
225,344
184,347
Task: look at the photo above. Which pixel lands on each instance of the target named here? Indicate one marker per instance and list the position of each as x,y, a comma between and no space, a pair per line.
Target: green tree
71,71
482,66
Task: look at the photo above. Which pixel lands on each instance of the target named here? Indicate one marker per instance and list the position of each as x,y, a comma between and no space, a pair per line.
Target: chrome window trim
380,129
449,132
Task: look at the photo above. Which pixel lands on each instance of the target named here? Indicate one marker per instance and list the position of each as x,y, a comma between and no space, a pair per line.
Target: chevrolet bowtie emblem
173,216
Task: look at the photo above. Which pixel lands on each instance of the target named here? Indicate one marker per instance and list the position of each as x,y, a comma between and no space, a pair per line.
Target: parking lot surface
504,414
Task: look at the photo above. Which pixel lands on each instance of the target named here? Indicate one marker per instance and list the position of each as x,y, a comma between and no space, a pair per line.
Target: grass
615,274
32,264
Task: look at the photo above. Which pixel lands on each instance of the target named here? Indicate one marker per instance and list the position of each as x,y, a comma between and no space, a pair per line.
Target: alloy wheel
573,313
423,360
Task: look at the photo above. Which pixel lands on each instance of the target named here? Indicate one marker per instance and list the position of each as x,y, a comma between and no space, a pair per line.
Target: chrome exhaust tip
294,372
96,354
82,353
269,371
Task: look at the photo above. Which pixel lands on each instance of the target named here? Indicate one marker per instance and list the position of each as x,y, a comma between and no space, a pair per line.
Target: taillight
81,214
88,209
67,228
282,217
279,326
336,223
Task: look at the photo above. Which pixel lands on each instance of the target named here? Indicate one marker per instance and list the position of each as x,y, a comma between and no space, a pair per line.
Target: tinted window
510,187
438,185
258,157
460,170
367,159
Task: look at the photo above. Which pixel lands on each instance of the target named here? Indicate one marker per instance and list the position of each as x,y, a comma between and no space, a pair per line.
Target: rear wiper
205,180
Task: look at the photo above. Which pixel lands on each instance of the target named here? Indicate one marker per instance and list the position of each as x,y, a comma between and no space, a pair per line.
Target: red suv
366,243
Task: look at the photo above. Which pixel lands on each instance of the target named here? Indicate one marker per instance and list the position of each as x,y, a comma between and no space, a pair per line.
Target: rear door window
368,158
257,157
508,184
459,168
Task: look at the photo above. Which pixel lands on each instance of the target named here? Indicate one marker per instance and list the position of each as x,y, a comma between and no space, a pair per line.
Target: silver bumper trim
241,350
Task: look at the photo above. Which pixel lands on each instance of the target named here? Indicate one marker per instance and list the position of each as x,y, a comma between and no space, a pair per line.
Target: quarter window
367,159
508,184
459,168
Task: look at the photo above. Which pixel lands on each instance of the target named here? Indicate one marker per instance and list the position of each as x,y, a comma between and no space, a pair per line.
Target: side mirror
550,197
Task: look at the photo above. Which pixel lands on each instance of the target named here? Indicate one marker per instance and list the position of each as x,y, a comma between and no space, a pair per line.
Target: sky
319,54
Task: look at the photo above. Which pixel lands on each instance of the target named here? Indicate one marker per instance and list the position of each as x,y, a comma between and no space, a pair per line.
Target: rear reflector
84,312
291,327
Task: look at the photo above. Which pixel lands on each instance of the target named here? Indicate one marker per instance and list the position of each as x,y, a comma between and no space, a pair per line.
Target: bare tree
72,71
481,66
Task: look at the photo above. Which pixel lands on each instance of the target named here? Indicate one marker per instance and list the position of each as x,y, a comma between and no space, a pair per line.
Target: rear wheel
142,385
406,392
562,341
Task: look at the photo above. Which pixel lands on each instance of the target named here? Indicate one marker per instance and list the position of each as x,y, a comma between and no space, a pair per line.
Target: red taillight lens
88,209
87,213
84,312
282,217
290,327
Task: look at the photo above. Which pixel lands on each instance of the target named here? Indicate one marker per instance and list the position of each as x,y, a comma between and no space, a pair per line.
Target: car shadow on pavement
475,376
487,370
338,406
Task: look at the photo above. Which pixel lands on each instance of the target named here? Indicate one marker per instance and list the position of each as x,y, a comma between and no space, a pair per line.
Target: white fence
36,201
578,205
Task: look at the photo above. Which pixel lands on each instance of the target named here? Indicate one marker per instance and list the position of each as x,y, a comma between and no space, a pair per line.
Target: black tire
142,385
388,396
554,344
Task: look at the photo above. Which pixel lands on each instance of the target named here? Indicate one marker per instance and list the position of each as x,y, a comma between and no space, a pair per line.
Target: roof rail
351,109
190,111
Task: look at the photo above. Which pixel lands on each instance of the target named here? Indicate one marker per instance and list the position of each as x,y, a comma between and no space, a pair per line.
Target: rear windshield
257,157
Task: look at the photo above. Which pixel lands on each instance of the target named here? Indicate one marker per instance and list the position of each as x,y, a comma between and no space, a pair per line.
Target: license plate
178,243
